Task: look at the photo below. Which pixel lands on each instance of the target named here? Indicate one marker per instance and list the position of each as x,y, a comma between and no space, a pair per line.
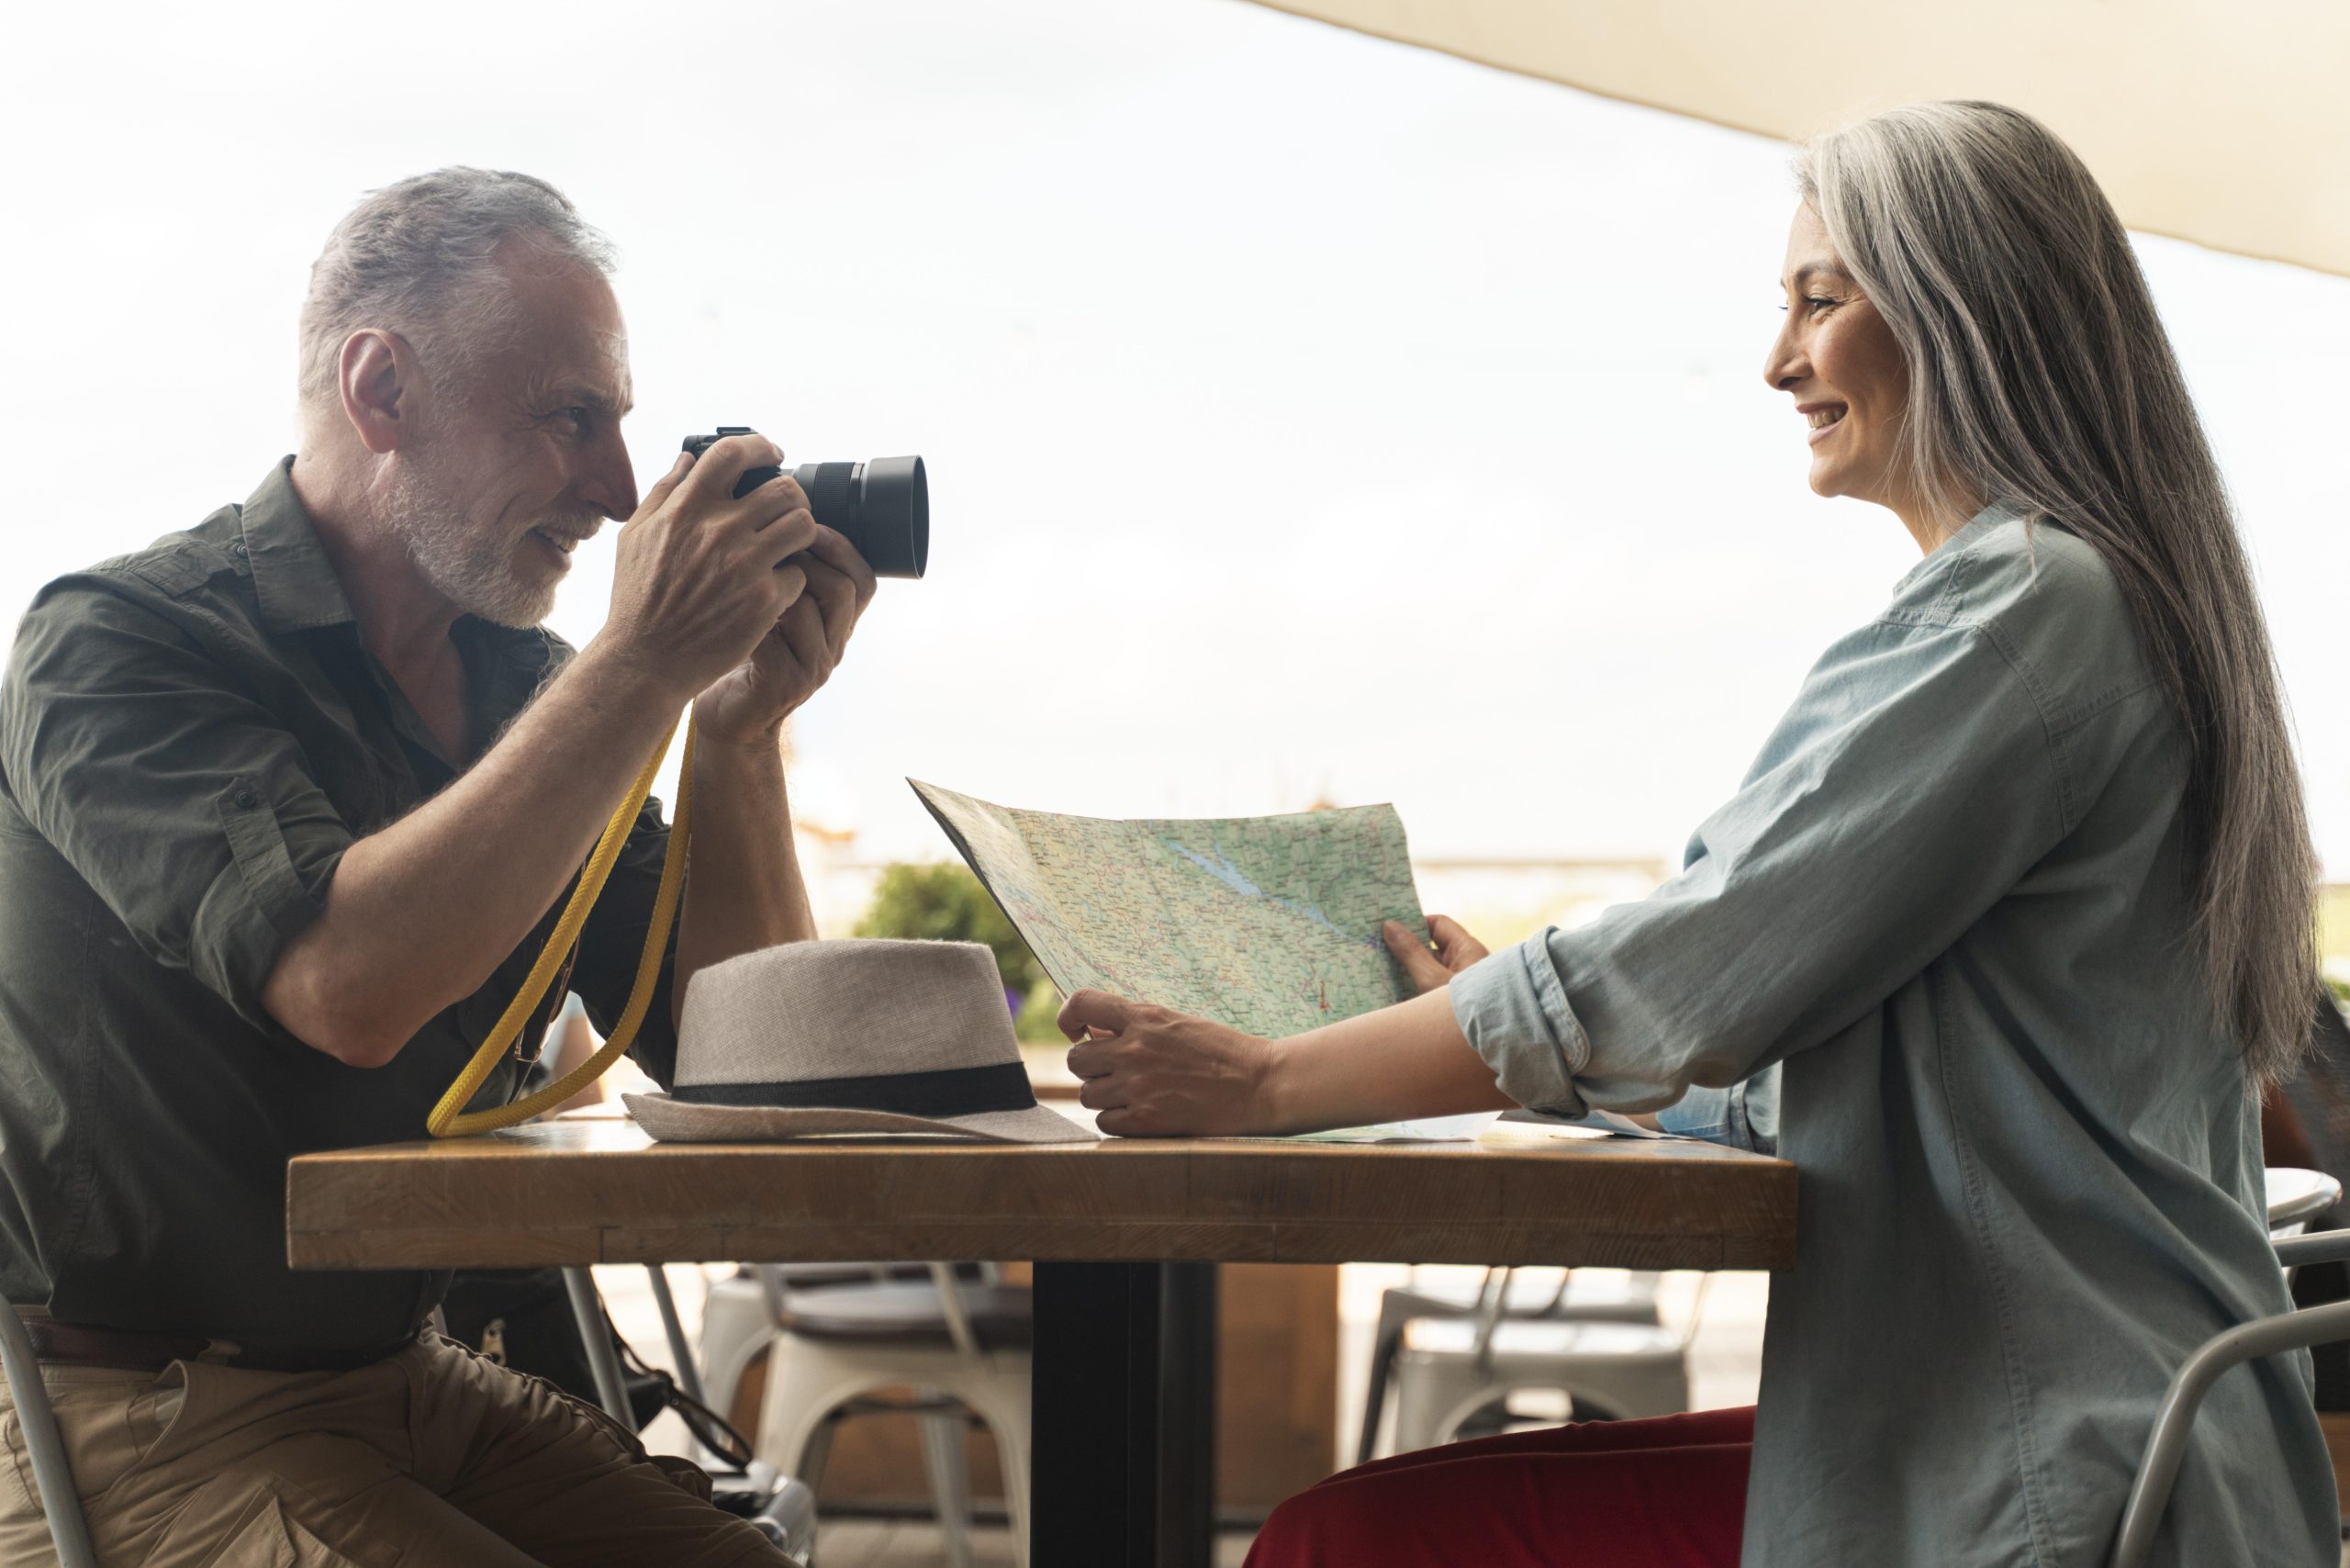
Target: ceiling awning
2226,122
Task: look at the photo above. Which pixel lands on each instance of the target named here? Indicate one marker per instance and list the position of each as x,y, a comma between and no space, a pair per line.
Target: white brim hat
829,1038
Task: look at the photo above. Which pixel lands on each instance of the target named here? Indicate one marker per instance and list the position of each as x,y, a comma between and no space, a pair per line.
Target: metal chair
743,1316
2296,1197
782,1508
52,1477
964,1347
2166,1444
1578,1299
1446,1369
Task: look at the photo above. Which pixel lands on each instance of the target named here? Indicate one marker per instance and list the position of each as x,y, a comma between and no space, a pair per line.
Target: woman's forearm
1408,1060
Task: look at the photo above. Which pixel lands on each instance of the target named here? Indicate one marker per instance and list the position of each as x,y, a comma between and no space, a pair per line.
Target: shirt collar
1982,522
293,582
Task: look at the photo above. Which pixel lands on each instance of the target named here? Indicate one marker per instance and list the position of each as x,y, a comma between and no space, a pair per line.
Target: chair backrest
2297,1197
2166,1444
52,1476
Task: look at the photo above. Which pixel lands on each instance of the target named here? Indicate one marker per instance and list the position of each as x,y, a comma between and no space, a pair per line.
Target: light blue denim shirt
1952,900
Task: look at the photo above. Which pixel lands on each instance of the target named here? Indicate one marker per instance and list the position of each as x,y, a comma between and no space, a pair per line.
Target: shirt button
246,800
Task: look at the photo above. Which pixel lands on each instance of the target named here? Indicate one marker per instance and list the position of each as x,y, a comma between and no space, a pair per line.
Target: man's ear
382,393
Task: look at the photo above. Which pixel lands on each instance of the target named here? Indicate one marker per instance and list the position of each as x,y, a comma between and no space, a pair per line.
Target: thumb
1419,965
1454,947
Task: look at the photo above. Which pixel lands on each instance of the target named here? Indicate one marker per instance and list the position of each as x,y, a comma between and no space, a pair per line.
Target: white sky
1305,414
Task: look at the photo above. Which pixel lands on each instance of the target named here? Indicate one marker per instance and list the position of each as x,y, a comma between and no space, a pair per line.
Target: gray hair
416,258
2039,373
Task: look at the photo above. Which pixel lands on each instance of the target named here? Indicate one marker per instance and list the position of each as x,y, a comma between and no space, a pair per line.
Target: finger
1088,1060
1101,1094
1420,966
1120,1121
802,631
784,537
835,551
1092,1010
667,485
834,594
790,582
1446,933
717,471
1454,946
778,498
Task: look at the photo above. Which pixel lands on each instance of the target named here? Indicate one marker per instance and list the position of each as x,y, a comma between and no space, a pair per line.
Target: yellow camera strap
449,1118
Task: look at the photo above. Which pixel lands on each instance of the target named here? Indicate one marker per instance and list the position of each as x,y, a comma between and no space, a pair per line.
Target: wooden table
1121,1232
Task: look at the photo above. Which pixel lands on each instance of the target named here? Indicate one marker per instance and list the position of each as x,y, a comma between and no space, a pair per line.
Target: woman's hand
1455,951
1152,1073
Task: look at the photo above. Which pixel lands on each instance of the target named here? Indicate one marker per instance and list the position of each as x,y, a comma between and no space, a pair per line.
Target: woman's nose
1784,364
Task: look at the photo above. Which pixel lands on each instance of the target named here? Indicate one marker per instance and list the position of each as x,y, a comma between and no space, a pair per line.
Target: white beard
470,567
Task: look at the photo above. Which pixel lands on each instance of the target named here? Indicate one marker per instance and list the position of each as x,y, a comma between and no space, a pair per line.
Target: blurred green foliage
1036,1024
944,902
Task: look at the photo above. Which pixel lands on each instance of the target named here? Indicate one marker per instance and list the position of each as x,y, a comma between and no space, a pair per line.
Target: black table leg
1125,1416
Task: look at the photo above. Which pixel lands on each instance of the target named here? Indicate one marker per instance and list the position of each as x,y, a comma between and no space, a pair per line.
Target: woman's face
1839,361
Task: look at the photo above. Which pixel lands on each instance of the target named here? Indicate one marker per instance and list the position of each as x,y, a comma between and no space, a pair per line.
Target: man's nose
610,484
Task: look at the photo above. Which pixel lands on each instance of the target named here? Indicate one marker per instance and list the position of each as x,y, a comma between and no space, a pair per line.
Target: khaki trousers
433,1456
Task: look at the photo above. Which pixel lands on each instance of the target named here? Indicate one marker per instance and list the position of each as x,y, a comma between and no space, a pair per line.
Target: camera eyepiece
882,505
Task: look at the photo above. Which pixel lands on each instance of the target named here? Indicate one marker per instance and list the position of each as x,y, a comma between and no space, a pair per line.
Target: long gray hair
2039,373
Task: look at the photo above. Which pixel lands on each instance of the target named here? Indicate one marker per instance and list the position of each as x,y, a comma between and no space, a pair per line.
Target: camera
882,507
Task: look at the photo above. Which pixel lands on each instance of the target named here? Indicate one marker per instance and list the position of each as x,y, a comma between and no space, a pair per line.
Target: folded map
1269,924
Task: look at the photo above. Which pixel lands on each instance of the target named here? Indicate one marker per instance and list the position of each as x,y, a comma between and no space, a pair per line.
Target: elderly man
289,802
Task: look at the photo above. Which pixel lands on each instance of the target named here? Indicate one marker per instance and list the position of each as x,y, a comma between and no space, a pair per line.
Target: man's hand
800,652
1155,1073
702,578
1455,951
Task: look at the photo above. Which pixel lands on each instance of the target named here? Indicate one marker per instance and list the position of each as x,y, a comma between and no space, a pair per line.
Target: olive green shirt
190,737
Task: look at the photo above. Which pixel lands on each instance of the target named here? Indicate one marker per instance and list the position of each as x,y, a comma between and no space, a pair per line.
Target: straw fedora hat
831,1037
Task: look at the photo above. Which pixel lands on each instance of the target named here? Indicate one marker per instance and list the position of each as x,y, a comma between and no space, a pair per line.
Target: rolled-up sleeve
1914,782
179,799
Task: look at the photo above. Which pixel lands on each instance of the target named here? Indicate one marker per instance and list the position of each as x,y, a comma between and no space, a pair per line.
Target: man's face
513,469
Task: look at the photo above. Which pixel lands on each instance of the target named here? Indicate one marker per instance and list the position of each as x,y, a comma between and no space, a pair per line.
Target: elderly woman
2019,896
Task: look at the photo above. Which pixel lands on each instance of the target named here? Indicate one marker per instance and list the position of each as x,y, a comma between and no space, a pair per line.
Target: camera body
881,506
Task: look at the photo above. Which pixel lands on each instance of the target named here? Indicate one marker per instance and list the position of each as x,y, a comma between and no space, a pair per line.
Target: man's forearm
418,914
744,889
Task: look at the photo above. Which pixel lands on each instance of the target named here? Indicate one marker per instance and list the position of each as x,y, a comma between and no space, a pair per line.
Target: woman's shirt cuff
1515,1013
1745,1115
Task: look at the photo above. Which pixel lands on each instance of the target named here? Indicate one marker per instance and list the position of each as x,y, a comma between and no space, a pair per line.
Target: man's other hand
799,652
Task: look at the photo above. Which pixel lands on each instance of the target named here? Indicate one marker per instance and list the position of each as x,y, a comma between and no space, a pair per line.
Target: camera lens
881,506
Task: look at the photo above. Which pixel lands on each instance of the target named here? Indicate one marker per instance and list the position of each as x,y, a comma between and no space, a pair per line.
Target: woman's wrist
1276,1085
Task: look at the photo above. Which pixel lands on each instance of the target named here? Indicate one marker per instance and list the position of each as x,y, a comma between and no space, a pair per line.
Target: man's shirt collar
293,582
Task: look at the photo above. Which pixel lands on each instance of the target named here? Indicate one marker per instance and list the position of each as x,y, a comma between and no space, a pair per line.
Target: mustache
580,525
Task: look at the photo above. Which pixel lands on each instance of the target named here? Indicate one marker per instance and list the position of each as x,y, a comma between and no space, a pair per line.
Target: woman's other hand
1152,1073
1455,951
